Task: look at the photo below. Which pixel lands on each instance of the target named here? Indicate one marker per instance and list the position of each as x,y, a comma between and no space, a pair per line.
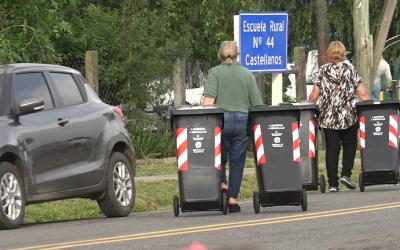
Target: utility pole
321,14
362,41
381,34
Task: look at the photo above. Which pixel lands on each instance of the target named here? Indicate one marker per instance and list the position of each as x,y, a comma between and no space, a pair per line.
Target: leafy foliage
28,29
139,41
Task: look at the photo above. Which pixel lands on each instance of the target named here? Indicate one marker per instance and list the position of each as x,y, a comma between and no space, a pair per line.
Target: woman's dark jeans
235,141
335,139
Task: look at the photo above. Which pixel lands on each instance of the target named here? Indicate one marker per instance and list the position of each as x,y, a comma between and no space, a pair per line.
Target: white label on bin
276,126
198,138
378,118
277,143
378,128
198,148
377,131
276,134
198,130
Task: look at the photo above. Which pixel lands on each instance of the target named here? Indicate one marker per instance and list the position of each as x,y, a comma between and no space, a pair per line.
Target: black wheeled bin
308,133
379,142
198,143
276,148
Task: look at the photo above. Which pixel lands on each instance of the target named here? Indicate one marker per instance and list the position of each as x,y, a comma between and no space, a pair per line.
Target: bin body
277,154
198,143
379,141
308,134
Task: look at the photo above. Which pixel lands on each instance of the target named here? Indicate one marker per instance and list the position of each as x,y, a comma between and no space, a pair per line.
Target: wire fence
113,91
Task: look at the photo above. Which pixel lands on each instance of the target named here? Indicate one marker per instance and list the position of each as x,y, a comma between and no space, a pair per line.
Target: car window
67,88
29,85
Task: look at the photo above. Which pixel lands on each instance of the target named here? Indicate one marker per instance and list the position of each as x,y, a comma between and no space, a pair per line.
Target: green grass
150,196
156,169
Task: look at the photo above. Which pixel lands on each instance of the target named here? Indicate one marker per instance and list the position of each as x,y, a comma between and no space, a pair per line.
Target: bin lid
306,105
197,110
384,102
274,108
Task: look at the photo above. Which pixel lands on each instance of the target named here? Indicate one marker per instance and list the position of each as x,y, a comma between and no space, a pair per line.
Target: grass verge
150,196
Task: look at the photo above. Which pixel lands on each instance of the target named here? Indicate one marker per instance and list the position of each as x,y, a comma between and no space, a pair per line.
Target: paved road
348,219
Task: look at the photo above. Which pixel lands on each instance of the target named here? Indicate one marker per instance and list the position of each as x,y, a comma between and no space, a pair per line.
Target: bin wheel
360,182
256,202
304,200
176,205
322,183
225,201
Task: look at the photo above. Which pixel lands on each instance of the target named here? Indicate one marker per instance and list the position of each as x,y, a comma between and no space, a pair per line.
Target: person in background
383,70
232,87
336,85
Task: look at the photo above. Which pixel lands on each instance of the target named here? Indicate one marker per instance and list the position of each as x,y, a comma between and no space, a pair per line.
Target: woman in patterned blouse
336,85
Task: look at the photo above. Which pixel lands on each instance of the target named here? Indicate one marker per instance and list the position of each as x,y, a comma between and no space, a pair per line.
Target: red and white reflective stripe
181,145
362,132
259,144
311,141
393,123
296,142
218,148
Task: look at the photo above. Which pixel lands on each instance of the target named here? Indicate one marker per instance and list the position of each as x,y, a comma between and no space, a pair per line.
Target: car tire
12,197
119,198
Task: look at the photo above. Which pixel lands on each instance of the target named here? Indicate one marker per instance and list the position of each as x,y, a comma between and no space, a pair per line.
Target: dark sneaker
347,182
234,208
333,189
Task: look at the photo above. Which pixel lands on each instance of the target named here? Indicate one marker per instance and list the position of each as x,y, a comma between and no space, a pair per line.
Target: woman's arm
208,100
362,92
314,94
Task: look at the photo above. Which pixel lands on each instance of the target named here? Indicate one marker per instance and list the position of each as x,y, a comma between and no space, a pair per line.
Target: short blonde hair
336,52
228,51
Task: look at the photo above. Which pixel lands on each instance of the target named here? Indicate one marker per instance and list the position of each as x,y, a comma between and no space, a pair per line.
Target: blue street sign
264,41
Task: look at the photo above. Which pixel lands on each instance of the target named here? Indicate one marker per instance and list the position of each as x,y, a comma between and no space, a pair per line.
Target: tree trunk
322,31
261,85
321,15
362,41
300,66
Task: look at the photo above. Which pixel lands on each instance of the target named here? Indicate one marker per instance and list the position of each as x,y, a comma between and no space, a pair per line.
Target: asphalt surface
349,219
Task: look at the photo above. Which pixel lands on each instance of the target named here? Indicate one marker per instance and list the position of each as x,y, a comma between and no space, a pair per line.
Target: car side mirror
30,105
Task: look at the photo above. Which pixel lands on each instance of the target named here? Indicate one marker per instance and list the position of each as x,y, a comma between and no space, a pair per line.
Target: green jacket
233,86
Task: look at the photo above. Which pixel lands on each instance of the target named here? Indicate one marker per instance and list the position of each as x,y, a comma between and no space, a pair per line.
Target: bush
152,140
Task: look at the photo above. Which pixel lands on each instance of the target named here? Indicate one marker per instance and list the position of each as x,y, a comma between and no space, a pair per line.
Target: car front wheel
120,194
12,196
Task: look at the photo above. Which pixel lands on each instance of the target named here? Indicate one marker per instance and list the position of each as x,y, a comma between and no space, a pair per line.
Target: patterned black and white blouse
338,83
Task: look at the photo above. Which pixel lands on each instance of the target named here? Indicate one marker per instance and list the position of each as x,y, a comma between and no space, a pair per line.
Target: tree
27,30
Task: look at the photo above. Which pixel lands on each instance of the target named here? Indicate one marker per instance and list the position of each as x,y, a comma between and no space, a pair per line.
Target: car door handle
62,122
